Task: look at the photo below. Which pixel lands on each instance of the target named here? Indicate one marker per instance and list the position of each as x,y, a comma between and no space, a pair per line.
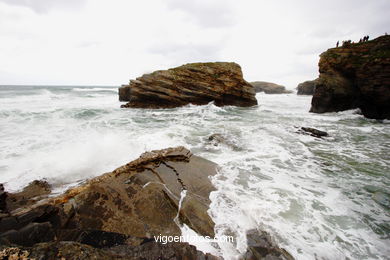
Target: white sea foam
95,89
308,193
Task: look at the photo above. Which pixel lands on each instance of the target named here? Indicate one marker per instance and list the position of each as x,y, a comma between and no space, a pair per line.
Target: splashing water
319,198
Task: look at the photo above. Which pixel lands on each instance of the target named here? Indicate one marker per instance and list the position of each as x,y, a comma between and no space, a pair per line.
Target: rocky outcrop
137,201
261,246
217,139
124,93
32,193
307,87
118,214
355,76
195,83
269,88
3,199
145,249
313,132
116,201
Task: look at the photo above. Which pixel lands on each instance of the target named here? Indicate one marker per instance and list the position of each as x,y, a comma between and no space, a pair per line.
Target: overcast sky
108,42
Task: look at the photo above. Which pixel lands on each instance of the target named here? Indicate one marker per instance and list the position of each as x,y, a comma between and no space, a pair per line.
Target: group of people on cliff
349,42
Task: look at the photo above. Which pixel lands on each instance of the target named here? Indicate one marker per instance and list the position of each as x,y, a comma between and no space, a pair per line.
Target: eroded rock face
356,76
33,192
73,250
139,199
261,246
307,87
117,215
194,83
269,88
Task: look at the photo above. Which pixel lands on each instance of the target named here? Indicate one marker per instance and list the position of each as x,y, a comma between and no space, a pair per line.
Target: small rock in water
313,132
217,139
261,246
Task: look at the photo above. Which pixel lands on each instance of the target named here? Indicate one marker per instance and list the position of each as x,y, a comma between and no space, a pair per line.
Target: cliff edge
355,76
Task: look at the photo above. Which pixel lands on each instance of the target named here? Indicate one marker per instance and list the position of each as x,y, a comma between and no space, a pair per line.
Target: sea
319,198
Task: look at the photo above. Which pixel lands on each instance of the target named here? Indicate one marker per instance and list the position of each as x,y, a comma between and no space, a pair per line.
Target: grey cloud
44,6
187,52
206,13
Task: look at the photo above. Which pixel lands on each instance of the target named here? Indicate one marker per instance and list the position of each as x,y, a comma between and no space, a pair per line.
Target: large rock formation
148,250
195,83
139,200
127,200
269,88
355,76
307,87
118,214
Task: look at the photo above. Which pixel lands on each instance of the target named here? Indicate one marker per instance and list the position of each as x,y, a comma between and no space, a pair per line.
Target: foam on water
323,198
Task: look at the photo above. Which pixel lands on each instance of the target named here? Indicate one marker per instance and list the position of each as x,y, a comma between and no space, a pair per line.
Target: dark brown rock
3,199
29,235
194,83
355,76
72,250
33,192
139,199
117,215
307,87
217,139
269,88
261,246
124,93
313,132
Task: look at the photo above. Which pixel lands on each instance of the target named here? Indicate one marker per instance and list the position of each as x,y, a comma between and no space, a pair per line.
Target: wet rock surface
33,192
313,132
355,76
269,88
194,83
261,246
148,250
117,215
218,139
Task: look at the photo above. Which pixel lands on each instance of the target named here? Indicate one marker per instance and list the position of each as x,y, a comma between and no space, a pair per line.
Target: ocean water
319,198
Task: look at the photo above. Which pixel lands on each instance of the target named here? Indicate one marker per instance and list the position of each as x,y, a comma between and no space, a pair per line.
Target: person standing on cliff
337,44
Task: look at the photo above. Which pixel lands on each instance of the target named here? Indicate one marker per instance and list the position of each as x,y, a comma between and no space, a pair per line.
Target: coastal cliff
355,76
194,83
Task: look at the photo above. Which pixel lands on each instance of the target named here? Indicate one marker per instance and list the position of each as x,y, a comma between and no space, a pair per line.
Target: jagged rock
117,215
3,199
33,192
269,88
29,235
355,76
307,87
149,250
313,132
124,93
261,246
217,139
194,83
139,199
